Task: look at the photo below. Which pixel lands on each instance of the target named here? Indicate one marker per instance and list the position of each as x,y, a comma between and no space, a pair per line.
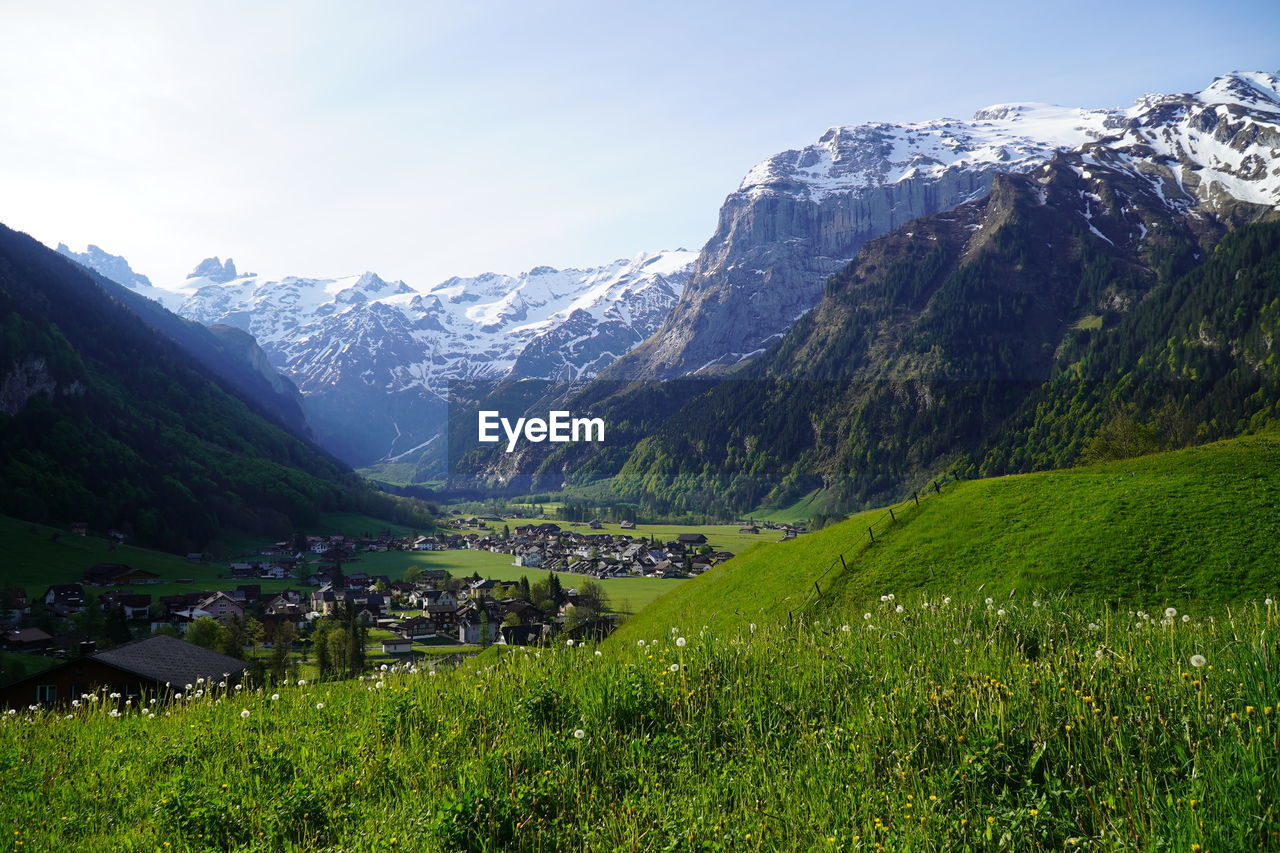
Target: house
14,602
417,628
117,574
628,525
27,639
195,558
397,646
69,596
156,666
522,635
80,528
135,605
471,633
750,528
222,606
688,539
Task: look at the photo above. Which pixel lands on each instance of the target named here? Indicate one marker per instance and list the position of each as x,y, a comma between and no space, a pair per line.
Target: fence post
843,564
872,534
916,495
936,488
817,589
892,517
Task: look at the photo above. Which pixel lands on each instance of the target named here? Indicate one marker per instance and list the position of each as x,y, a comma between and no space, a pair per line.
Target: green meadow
1046,724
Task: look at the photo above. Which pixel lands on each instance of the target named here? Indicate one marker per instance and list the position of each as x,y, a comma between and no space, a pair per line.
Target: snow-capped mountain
374,358
801,215
118,270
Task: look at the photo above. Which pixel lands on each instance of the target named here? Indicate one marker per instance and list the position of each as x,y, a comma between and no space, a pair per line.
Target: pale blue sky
423,140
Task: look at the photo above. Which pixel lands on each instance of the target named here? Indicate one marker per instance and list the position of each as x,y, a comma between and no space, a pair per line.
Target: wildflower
1098,654
946,599
1001,612
844,628
302,682
897,609
570,644
1267,602
1093,626
1035,604
384,667
1186,618
222,684
579,734
239,687
1198,660
275,696
640,643
75,703
753,627
244,715
599,653
189,687
379,684
114,712
956,641
866,615
884,598
319,706
990,601
675,667
681,642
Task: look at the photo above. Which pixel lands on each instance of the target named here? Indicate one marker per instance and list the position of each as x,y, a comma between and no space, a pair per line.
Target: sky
424,140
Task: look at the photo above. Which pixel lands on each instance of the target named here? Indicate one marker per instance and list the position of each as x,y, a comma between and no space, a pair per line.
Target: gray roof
169,660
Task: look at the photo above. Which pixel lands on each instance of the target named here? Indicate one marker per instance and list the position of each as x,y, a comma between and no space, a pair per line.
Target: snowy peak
1254,90
856,159
214,270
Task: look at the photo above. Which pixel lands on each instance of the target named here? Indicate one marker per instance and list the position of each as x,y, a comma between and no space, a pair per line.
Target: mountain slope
802,215
1192,525
103,420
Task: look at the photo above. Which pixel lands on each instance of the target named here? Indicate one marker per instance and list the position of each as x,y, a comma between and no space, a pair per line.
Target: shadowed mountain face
106,418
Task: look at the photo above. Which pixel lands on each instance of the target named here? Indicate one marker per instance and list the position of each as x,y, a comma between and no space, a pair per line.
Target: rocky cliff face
801,215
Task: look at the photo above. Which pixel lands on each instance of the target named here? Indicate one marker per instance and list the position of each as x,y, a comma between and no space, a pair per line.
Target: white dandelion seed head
384,667
1170,612
897,608
681,641
1186,618
1267,602
570,644
884,598
1035,604
866,615
640,643
1198,660
599,653
319,706
579,734
302,682
675,667
1093,626
844,628
239,687
1002,612
379,684
189,687
1098,654
275,696
956,641
244,714
946,599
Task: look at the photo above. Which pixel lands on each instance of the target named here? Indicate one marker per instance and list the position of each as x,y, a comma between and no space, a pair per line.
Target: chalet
117,574
135,605
193,557
155,666
687,539
472,633
750,528
245,570
69,596
628,525
27,639
80,528
397,646
14,600
417,628
595,525
222,607
523,635
443,615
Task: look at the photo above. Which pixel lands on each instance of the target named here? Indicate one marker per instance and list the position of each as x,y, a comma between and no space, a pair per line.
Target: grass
1195,525
956,725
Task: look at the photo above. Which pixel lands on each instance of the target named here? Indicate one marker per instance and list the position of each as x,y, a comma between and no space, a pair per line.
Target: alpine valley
890,302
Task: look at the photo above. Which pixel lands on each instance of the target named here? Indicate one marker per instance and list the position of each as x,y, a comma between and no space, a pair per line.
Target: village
427,613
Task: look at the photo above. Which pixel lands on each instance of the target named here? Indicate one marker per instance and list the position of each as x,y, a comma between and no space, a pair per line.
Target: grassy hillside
1196,525
957,727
